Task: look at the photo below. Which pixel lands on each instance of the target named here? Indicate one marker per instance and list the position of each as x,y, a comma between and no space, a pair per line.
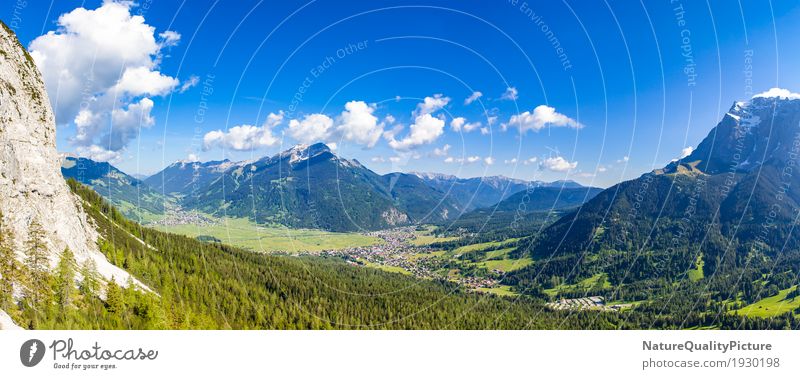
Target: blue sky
611,89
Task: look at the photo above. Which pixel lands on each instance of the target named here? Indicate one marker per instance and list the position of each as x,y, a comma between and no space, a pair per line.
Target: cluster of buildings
398,250
584,303
477,282
181,217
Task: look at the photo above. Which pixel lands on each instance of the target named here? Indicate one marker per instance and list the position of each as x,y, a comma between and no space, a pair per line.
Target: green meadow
771,306
245,234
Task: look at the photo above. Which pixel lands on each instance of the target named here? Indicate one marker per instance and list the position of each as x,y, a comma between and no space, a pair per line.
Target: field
771,306
484,246
584,285
494,259
505,265
426,237
243,233
697,274
499,290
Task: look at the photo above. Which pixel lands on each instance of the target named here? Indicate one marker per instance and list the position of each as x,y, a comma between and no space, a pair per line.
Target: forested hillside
201,285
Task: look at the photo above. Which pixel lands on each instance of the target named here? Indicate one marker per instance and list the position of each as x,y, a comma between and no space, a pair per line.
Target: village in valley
405,250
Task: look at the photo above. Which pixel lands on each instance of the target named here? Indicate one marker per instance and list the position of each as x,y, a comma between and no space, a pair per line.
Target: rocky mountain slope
736,196
32,189
310,186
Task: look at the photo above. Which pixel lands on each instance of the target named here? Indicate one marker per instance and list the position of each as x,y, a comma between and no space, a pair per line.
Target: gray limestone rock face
31,185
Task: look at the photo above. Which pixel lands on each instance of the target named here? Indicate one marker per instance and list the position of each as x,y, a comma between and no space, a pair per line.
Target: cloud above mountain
101,69
558,164
541,117
245,137
780,93
358,124
312,128
425,129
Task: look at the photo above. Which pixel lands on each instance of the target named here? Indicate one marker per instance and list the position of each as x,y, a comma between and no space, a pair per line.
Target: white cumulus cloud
244,137
100,68
312,128
441,152
425,130
99,154
466,160
779,93
431,104
558,164
358,124
510,94
472,98
143,81
459,124
542,116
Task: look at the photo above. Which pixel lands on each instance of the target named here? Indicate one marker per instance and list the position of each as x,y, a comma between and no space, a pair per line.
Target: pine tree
65,280
37,264
114,301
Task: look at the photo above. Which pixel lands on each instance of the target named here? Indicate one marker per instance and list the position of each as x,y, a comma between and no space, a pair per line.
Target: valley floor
261,238
422,253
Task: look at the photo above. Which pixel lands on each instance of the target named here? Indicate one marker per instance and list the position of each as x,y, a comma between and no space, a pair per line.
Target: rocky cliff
31,186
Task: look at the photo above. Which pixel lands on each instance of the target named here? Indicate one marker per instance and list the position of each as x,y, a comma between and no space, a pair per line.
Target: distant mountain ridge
482,192
186,176
305,186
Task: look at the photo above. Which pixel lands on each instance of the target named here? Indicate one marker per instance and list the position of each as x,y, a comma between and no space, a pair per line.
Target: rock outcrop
31,186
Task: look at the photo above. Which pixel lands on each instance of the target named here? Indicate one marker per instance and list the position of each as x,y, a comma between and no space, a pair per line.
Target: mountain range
311,187
70,260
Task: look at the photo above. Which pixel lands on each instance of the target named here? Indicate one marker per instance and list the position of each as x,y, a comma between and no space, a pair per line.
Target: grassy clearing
243,233
771,306
505,265
498,253
697,274
483,246
598,280
499,290
137,213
